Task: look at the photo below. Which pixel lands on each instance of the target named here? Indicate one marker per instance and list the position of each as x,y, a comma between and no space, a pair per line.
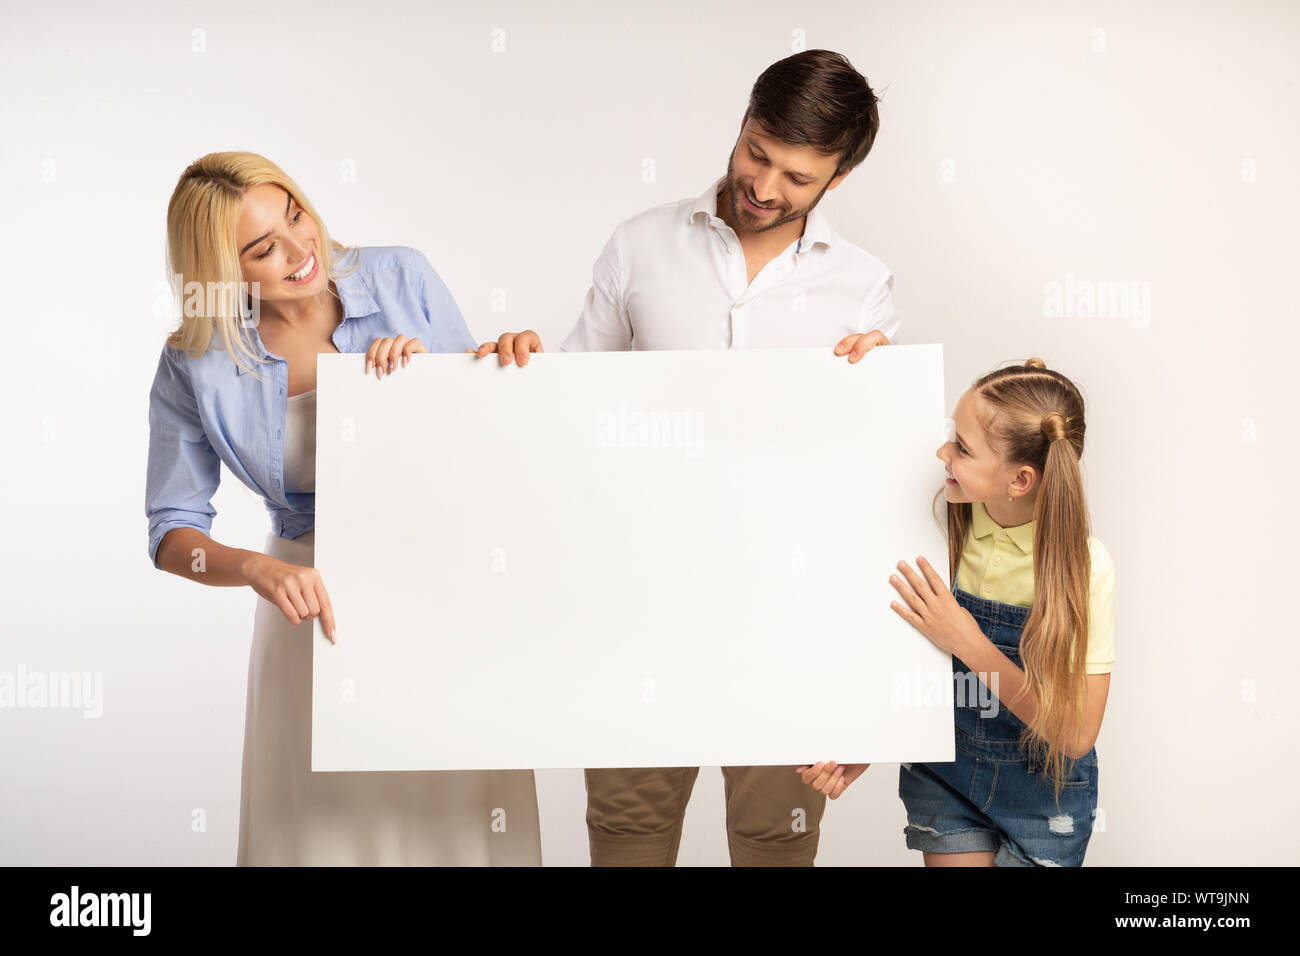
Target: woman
236,218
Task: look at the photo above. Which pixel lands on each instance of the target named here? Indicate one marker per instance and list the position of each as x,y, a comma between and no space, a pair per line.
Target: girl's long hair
201,248
1034,415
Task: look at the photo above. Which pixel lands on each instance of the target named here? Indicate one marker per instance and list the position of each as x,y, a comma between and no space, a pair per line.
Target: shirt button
1002,535
988,588
996,559
730,250
277,435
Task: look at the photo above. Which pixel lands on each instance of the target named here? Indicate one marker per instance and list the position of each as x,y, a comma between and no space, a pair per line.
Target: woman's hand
296,590
511,344
932,609
858,345
831,778
384,355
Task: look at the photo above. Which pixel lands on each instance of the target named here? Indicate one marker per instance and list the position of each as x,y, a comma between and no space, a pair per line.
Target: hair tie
1054,426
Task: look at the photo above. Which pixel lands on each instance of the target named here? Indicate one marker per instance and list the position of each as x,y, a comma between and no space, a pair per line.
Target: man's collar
353,293
983,525
816,228
708,202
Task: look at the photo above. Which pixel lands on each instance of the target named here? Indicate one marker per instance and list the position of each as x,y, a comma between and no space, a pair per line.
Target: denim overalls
995,795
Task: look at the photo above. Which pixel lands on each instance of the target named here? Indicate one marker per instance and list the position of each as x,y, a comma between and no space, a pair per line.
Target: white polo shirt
674,277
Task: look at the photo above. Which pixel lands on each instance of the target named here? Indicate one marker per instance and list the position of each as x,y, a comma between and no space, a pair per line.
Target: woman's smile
305,274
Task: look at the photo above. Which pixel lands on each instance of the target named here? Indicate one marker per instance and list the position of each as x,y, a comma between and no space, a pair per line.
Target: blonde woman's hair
202,248
1033,415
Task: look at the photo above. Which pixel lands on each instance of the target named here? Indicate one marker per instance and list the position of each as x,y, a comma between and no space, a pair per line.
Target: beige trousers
634,816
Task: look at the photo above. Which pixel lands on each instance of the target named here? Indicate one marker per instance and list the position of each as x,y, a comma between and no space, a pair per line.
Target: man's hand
830,778
511,344
859,344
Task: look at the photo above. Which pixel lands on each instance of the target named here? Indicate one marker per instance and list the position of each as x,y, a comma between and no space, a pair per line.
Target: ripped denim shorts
995,795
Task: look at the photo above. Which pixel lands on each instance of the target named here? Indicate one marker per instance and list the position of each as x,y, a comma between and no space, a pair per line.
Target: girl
243,394
1028,577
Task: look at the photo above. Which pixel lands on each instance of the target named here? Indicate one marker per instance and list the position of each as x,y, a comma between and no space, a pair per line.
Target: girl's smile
976,472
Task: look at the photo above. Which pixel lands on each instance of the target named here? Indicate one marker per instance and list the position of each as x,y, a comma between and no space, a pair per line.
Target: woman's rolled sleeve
183,471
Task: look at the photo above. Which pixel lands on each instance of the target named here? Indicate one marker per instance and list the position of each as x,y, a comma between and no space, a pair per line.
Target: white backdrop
1025,149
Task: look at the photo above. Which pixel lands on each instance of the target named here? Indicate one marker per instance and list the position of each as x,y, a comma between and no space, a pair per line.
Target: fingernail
368,363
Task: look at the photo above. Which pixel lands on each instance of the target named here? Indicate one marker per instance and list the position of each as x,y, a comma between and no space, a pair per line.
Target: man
752,263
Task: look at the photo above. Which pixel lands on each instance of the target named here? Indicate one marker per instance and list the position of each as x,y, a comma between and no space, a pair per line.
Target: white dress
291,816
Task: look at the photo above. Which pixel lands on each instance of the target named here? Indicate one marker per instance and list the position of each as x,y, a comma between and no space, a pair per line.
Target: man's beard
740,213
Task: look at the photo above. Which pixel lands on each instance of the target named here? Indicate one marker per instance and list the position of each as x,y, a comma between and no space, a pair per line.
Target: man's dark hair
816,98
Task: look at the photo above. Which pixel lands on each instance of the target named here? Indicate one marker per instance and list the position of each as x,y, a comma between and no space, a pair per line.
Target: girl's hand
860,344
933,610
384,355
831,778
296,590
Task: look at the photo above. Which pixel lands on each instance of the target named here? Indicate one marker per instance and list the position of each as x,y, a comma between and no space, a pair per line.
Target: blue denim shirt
206,410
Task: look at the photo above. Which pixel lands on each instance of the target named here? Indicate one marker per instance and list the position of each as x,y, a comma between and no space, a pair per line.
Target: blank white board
630,559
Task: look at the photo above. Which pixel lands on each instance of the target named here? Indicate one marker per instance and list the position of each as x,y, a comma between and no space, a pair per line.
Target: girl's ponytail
1062,573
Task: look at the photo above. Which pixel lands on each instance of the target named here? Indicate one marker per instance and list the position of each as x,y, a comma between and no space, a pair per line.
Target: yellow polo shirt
998,564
